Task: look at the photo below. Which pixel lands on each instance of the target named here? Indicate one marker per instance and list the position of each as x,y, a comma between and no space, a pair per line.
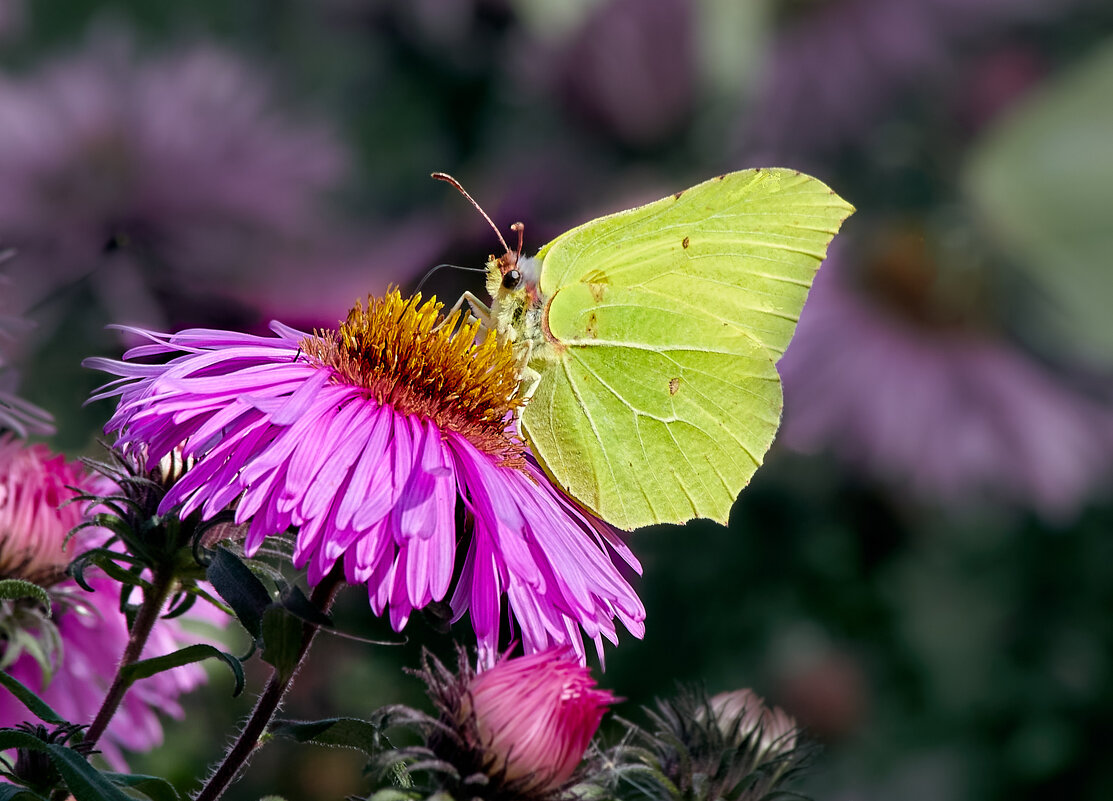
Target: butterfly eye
511,279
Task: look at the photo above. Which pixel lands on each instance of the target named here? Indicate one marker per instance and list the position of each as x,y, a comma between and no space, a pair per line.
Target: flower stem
269,700
153,600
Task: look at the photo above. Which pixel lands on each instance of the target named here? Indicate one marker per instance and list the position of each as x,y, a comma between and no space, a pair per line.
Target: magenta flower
535,716
83,639
155,178
374,442
947,410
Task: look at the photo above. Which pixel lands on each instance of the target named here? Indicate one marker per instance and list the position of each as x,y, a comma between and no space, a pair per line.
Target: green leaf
240,588
282,634
153,787
146,668
9,792
36,705
83,780
16,589
361,735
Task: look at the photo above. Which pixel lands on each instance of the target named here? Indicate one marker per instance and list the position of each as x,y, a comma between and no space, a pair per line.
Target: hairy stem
153,600
269,701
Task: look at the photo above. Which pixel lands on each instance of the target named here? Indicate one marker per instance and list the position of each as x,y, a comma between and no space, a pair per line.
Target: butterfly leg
528,379
476,309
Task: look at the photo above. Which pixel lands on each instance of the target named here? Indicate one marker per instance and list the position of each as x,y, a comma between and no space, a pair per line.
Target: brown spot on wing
678,194
674,386
597,291
593,326
685,242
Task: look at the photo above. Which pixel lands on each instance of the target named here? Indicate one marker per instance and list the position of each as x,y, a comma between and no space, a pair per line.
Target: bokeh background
923,572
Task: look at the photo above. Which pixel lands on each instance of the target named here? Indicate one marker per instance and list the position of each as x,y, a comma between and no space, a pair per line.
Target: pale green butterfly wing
668,319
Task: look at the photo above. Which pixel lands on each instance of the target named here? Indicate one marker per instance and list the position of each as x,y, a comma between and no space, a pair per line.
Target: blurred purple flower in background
87,630
16,414
12,19
833,71
629,70
930,402
178,173
366,440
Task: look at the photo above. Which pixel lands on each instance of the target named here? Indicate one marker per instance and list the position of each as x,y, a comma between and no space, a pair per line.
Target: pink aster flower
374,442
535,716
943,408
86,633
154,178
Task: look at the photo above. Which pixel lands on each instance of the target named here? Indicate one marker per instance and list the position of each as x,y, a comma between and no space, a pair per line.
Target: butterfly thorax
517,305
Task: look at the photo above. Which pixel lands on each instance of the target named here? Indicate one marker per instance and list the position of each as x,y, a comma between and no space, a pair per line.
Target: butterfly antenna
431,270
448,179
520,227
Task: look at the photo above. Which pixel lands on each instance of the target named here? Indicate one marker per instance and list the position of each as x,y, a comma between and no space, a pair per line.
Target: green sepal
360,735
282,635
107,561
18,589
152,787
180,605
146,668
294,601
240,588
37,706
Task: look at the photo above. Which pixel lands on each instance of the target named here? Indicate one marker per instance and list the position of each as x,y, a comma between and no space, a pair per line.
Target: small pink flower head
33,521
535,716
69,656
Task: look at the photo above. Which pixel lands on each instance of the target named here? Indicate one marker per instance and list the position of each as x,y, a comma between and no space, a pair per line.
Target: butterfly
651,336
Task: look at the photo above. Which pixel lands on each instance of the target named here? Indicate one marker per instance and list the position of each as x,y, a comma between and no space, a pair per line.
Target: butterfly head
515,296
516,302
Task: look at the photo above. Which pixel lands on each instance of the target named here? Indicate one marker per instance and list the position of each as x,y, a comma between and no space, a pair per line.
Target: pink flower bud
536,716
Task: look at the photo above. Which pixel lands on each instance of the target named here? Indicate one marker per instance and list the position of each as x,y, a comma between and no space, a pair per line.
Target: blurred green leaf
1042,179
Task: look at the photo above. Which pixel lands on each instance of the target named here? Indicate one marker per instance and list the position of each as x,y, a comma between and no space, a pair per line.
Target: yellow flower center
406,355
